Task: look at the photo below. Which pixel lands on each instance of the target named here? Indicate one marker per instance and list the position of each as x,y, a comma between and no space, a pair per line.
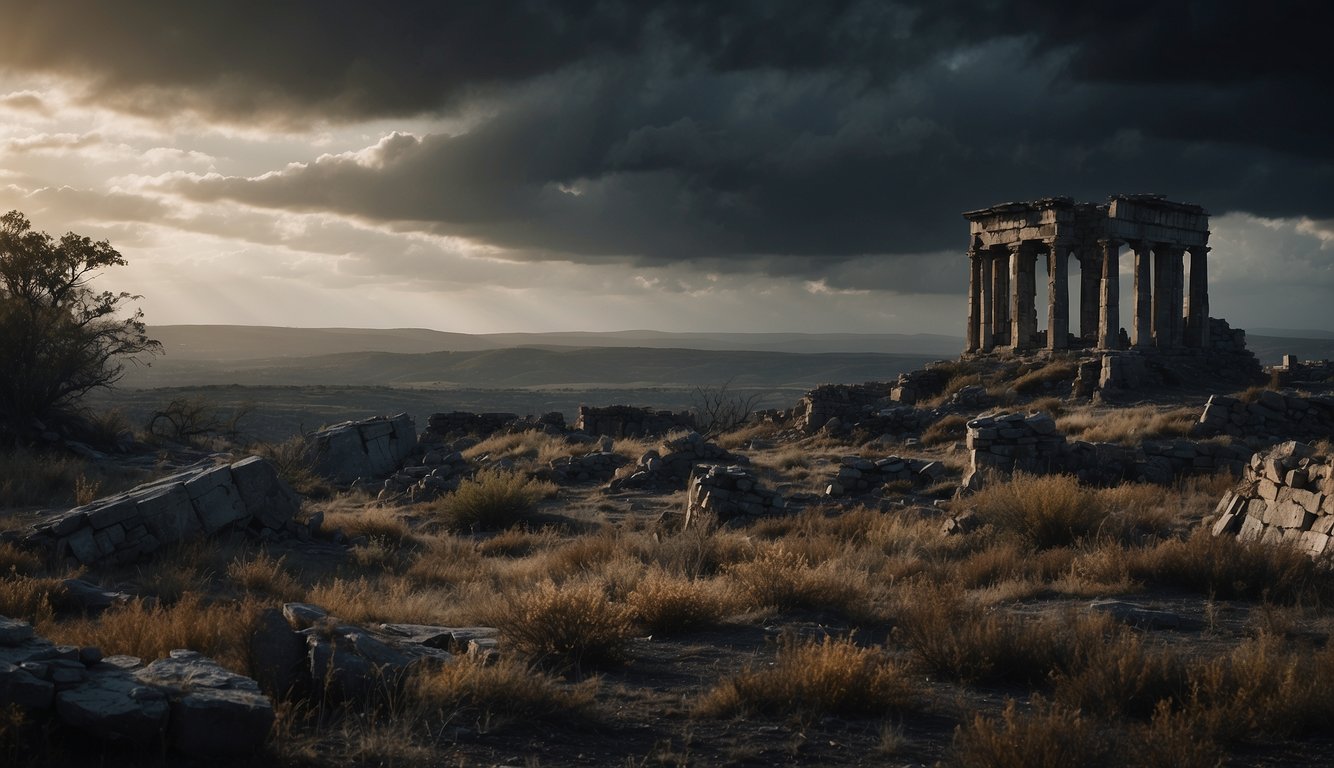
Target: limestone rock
213,711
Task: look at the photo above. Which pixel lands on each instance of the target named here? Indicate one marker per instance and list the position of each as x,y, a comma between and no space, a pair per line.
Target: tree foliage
59,338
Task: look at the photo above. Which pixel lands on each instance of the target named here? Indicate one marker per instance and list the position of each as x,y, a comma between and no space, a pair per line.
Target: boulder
213,711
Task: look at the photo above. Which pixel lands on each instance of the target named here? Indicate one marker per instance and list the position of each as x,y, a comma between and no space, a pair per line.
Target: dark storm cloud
787,135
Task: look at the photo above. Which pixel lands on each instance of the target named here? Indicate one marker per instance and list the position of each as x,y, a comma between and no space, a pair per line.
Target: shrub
784,579
1226,567
265,575
493,500
1047,737
946,430
1049,374
506,689
665,603
573,623
813,679
1047,510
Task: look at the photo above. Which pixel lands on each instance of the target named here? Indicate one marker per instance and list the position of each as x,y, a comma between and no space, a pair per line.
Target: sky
772,165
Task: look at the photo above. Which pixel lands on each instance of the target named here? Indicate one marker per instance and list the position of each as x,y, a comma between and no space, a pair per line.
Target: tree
59,339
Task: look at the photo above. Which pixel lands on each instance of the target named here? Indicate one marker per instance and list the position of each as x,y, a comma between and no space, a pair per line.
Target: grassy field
846,633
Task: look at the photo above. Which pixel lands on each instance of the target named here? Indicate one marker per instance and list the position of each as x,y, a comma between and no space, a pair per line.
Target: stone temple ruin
1007,239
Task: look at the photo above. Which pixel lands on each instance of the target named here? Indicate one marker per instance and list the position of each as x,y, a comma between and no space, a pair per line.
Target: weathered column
1176,268
1023,308
1058,296
986,298
1162,289
1090,276
1197,325
1109,314
974,301
1000,300
1142,332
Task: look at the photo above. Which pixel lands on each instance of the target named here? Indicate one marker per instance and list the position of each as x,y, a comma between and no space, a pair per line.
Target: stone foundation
1272,415
857,475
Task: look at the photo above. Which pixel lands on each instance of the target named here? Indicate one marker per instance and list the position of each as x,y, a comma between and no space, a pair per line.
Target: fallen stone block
213,711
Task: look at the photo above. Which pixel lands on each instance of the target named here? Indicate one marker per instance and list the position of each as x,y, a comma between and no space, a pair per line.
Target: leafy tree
59,339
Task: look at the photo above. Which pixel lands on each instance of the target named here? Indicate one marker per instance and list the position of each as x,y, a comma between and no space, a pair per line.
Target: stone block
113,511
213,711
83,546
1314,543
340,455
168,514
266,497
1289,514
115,707
216,500
1309,500
1267,489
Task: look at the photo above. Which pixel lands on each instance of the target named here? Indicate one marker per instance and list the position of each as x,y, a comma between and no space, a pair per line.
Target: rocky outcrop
1285,496
629,421
729,493
671,464
188,700
366,450
858,475
307,652
593,467
201,502
1270,415
848,403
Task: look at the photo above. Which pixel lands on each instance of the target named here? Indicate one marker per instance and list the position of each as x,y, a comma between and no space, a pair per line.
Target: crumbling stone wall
729,493
1293,370
846,402
1272,414
671,464
858,475
914,386
372,448
1006,442
465,423
247,494
629,421
1285,496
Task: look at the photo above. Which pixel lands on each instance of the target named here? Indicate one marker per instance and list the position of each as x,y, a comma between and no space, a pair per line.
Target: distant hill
244,342
1271,349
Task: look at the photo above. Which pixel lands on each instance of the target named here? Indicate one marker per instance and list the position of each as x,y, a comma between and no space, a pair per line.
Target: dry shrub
665,603
265,575
1047,737
946,430
1265,688
1052,405
20,562
293,460
1226,567
515,542
815,678
785,579
505,689
968,644
572,623
532,448
1052,373
1009,560
29,598
217,630
1046,510
584,554
1173,739
448,561
700,550
1122,678
493,500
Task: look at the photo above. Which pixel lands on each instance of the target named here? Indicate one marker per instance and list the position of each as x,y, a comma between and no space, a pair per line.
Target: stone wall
1293,370
1286,495
629,421
914,386
201,502
465,423
672,463
186,701
1272,415
1006,442
729,493
865,407
858,475
365,450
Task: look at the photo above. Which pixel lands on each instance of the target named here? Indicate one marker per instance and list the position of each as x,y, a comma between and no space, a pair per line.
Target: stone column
1058,296
1109,310
1197,323
974,301
1162,289
1176,307
1000,300
1090,275
986,299
1023,308
1142,333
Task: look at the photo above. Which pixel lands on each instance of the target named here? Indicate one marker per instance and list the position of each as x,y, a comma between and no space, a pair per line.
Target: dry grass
1047,737
574,623
810,679
264,575
529,450
948,429
32,479
20,562
389,598
663,603
469,689
30,598
781,578
217,630
1052,374
292,459
492,500
1227,568
371,521
1046,510
1127,426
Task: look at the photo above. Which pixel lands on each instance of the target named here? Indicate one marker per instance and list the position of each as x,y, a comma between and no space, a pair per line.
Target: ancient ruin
1006,240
